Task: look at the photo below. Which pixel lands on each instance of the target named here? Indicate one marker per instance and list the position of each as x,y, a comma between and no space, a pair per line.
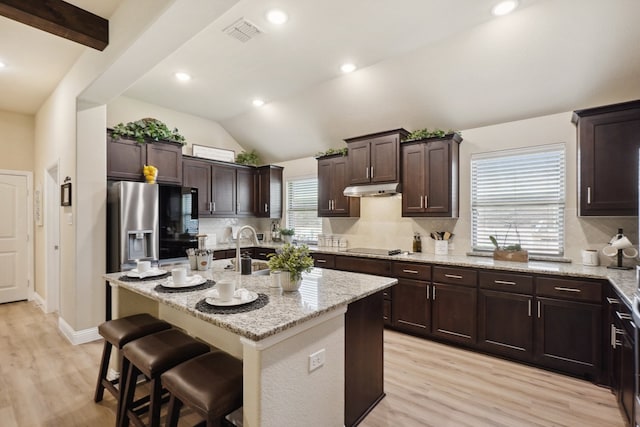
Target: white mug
179,275
630,252
590,257
226,288
622,243
143,266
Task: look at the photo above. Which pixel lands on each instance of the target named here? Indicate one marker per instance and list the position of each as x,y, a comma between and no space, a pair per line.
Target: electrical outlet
316,360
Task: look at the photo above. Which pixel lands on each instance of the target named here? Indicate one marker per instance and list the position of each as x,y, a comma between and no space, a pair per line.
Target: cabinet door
626,396
411,306
125,159
198,174
608,150
168,159
413,179
385,163
438,178
505,323
223,191
269,192
325,167
454,312
341,204
568,336
359,160
245,192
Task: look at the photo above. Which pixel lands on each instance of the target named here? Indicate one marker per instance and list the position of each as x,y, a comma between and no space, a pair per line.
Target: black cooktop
373,251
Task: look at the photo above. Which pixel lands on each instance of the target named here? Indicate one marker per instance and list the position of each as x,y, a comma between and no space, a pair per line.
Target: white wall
16,141
381,224
196,130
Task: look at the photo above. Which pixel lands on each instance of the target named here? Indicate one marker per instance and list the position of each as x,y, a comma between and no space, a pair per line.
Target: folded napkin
148,273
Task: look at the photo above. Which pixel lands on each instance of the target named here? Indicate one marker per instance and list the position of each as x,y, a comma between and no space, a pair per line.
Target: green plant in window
504,246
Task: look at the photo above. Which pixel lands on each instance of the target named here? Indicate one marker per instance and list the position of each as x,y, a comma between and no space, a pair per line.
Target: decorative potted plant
147,129
287,234
248,158
291,261
506,252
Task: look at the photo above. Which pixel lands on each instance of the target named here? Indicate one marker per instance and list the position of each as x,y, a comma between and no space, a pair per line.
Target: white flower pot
287,239
287,284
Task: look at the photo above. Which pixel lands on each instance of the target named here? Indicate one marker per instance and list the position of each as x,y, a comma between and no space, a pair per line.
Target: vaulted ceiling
421,63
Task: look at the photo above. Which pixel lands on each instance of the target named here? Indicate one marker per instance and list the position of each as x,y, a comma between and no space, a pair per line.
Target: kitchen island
335,316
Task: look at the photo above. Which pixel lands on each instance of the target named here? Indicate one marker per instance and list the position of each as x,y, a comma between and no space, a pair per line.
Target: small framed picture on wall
65,194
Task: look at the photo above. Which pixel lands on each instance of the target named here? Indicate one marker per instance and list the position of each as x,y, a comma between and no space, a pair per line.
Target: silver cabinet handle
266,208
366,172
623,316
410,271
538,309
504,282
613,300
453,276
560,288
210,207
529,307
427,291
214,207
426,202
421,203
371,172
614,336
434,292
321,261
588,195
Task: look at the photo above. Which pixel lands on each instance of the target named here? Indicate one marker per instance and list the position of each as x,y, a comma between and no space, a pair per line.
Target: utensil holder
442,247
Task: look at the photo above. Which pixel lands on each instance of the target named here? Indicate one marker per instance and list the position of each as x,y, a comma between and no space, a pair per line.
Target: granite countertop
321,291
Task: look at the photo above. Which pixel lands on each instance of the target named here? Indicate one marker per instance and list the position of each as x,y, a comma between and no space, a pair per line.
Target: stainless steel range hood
373,190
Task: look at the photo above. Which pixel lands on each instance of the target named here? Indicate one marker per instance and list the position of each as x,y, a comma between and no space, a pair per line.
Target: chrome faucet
255,241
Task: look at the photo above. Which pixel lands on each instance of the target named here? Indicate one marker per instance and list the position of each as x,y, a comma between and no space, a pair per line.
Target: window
518,196
302,209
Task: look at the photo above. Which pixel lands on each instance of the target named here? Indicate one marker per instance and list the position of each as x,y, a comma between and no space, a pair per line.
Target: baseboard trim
78,337
40,302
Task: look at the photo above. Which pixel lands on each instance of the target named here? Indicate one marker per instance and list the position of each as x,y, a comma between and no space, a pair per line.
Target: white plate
149,273
240,296
194,280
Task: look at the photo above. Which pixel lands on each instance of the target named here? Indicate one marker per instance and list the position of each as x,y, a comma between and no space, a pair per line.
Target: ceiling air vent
242,30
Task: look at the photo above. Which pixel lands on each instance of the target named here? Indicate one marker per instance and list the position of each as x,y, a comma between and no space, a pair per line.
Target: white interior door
14,285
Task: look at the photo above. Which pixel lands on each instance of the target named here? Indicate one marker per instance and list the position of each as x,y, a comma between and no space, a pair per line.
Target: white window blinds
302,209
518,196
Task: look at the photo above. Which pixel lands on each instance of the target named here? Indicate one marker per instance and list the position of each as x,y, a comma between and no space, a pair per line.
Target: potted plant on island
287,234
291,261
506,252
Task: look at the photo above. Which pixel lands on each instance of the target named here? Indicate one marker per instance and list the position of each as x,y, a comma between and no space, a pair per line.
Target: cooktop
373,251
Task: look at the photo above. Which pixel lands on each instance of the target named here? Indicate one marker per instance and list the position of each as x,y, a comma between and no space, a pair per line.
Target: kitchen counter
333,318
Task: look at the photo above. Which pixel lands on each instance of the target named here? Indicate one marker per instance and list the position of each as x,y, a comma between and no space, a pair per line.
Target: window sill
531,257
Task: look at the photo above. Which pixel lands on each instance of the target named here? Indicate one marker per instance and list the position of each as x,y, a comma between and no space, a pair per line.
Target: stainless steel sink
258,268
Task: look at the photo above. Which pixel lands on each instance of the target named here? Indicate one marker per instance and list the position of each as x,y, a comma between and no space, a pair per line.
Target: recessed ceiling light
2,64
183,77
347,68
504,7
258,102
277,17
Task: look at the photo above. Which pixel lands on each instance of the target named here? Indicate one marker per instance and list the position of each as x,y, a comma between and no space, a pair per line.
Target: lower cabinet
568,336
411,307
505,324
621,366
454,313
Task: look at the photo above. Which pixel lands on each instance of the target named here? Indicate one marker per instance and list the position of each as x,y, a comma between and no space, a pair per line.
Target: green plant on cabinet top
248,158
147,128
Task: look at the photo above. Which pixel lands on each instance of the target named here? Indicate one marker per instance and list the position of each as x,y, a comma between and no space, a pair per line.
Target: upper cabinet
430,177
608,142
126,157
268,191
332,180
375,158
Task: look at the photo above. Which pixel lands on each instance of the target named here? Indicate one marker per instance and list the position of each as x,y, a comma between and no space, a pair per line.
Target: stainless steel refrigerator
132,224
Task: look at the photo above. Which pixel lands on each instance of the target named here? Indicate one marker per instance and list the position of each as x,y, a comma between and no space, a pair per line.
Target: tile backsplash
220,228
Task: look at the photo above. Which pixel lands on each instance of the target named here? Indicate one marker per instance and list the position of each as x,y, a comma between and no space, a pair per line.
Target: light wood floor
45,381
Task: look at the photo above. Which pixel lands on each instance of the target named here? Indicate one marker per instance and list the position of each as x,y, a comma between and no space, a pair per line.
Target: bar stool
153,355
117,333
211,385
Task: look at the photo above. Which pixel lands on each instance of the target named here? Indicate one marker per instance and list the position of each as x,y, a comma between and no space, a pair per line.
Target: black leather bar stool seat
153,355
117,333
211,385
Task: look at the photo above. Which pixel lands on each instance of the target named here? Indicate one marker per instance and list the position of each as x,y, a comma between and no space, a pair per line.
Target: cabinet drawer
262,253
507,282
575,290
324,260
412,270
363,265
455,276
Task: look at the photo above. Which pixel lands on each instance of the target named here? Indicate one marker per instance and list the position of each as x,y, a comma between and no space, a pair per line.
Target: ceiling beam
59,18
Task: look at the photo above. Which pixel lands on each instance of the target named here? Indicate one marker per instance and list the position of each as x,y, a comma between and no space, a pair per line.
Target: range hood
373,190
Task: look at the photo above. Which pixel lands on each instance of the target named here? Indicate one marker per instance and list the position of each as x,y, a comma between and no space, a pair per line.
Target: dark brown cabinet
454,304
608,159
569,326
126,158
375,158
332,180
505,315
430,177
324,260
268,191
411,305
223,190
